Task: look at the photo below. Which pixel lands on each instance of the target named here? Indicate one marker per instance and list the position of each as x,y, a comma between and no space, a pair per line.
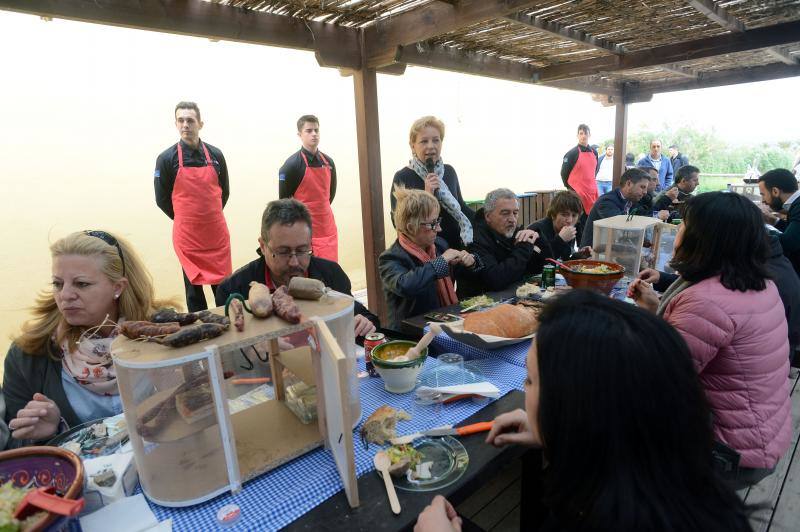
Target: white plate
455,330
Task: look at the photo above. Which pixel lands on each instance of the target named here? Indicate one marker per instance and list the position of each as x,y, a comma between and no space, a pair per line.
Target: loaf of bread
381,426
505,321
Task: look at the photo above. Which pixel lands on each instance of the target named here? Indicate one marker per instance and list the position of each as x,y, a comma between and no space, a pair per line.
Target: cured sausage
306,288
259,300
206,316
285,307
147,329
167,315
237,308
192,334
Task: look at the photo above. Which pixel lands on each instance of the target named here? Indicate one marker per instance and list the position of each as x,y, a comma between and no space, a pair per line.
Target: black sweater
550,243
324,270
504,261
450,228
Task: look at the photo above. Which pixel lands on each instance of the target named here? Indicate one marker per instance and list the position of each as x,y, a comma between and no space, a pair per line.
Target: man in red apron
578,171
191,185
310,176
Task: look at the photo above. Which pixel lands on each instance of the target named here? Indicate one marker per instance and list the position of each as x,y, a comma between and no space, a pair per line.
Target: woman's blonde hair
413,206
421,123
136,302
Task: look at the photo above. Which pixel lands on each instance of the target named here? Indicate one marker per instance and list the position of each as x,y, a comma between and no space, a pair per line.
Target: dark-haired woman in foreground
613,400
730,314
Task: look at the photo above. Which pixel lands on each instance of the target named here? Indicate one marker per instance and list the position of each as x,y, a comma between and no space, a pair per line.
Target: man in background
578,169
677,159
507,252
658,161
191,186
309,176
780,193
605,171
618,201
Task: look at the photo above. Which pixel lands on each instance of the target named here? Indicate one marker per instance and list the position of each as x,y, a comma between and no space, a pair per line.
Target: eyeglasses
287,254
432,225
111,241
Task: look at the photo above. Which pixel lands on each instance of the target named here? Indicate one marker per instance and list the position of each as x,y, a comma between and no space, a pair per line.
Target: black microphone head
429,164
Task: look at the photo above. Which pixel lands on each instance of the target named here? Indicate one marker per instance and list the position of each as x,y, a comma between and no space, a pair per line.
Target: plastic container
620,240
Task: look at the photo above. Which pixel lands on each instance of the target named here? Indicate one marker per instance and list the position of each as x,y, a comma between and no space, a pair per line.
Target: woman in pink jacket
731,316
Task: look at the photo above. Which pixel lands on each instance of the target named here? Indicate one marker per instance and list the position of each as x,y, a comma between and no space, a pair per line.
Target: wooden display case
194,449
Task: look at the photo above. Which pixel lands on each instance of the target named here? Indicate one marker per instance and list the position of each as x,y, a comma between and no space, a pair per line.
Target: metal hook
249,362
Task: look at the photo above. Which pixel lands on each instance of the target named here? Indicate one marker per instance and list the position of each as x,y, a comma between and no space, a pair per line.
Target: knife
445,431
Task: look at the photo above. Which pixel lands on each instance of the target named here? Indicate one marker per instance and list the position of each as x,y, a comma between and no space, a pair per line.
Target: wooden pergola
622,51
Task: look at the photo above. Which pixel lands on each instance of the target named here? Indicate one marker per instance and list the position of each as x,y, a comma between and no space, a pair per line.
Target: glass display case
197,434
663,246
622,239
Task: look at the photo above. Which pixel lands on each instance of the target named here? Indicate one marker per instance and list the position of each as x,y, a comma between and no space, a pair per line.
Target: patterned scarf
444,285
90,363
445,197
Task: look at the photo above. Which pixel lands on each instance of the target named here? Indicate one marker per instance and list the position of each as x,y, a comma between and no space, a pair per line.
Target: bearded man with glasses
284,250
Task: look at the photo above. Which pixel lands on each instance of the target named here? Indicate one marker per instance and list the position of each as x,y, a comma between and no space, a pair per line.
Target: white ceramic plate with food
455,330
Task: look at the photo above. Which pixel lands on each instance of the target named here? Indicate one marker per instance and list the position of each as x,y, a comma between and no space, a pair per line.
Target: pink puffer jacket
740,347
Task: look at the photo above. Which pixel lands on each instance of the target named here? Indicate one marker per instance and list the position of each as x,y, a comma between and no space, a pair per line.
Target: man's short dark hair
634,175
584,127
685,172
306,118
780,178
286,211
188,105
674,147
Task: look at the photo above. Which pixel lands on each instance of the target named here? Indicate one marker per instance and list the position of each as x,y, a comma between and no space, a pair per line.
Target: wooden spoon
415,351
382,464
560,264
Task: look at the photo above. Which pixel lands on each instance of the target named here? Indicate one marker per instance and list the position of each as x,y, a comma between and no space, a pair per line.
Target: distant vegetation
712,155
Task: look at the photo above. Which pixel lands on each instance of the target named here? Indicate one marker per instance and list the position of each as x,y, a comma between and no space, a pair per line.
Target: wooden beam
717,14
730,22
783,56
719,79
565,32
454,60
428,21
754,39
620,141
679,70
335,45
365,86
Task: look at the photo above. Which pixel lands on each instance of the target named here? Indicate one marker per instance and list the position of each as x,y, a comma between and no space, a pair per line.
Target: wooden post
620,140
369,168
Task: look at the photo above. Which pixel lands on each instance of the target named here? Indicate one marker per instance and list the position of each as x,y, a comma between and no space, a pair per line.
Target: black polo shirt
291,173
167,169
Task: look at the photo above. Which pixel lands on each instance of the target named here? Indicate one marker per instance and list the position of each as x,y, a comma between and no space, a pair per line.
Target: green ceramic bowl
398,377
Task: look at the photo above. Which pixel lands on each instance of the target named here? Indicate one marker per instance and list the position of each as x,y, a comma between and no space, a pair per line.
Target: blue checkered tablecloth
280,496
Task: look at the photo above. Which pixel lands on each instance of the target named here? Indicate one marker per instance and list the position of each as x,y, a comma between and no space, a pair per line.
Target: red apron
199,232
582,180
315,192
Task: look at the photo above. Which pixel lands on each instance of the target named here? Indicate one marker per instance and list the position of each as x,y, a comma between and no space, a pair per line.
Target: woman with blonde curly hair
426,171
58,371
418,269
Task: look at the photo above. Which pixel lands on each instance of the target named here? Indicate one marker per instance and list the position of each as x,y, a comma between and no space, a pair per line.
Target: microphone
429,165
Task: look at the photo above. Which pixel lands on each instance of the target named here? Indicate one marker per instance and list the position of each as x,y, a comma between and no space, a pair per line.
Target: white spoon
382,464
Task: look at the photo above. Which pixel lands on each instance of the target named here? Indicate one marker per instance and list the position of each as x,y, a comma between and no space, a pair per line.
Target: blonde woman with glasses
417,271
